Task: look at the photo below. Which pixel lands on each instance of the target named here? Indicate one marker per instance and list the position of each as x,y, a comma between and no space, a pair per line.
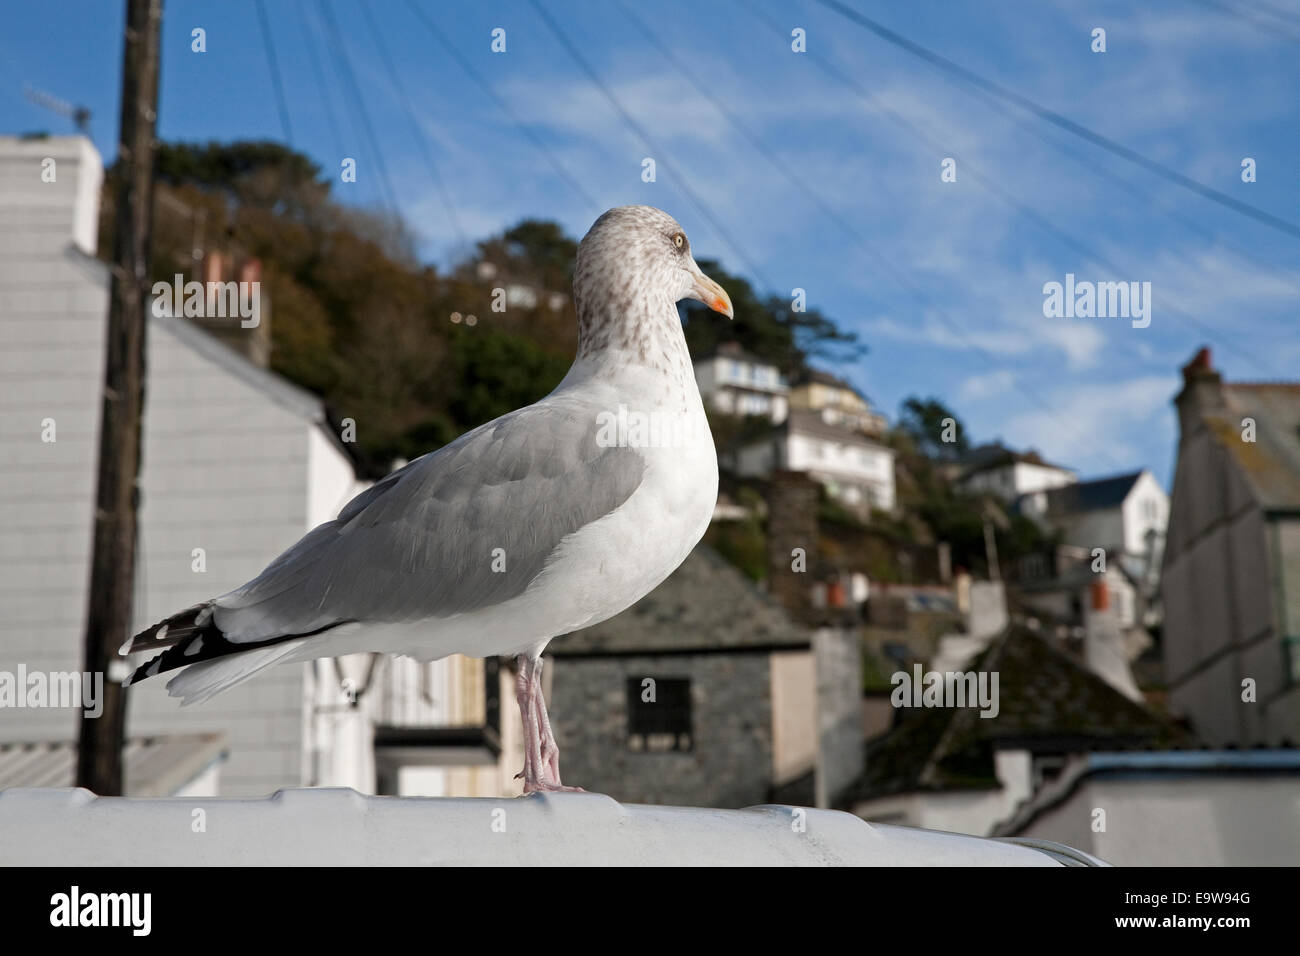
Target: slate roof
1047,703
705,605
1095,495
997,455
815,376
1271,463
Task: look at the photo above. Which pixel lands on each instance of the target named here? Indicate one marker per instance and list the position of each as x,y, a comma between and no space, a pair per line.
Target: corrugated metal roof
341,827
152,766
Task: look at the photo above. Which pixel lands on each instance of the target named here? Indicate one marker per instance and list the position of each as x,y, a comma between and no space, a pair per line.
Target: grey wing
424,541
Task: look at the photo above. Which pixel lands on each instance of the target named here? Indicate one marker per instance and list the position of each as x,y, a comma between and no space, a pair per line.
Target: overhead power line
1264,20
269,44
662,155
1004,196
1064,122
421,140
845,224
309,41
467,65
358,104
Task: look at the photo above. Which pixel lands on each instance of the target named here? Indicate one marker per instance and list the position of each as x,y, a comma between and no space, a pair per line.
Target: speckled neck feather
625,291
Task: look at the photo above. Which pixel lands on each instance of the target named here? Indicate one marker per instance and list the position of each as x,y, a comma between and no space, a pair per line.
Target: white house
856,470
838,401
1124,514
237,465
997,470
1195,808
737,383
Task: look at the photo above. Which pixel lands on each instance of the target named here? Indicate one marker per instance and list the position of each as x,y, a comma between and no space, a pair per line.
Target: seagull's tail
200,681
212,662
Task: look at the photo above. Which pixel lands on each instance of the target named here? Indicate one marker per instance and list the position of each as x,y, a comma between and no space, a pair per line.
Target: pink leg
532,745
541,755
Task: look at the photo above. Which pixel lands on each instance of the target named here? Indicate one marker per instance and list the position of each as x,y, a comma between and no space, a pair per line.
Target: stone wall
730,763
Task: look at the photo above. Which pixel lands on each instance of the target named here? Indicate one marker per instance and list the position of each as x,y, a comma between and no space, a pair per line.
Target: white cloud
979,387
1101,426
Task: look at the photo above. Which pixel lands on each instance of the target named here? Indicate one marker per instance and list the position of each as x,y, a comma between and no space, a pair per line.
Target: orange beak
711,294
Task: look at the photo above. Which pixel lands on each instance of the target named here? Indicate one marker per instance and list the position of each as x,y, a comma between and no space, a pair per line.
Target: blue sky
958,312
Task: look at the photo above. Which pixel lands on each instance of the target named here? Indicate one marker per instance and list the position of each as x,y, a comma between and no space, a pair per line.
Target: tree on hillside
935,431
387,341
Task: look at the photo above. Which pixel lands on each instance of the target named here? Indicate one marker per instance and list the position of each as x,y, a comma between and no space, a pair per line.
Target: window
659,714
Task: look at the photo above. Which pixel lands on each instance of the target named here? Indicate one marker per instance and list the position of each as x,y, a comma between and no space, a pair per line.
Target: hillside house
1125,515
734,382
855,470
997,470
838,402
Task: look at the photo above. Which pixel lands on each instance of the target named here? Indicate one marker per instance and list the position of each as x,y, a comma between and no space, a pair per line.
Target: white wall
1205,820
848,463
1030,478
225,468
1018,478
959,811
737,387
854,471
1146,508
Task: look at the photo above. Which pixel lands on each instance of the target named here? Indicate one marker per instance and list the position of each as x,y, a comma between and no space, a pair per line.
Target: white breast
609,565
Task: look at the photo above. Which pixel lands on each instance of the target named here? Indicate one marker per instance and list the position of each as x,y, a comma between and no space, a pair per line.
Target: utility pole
112,575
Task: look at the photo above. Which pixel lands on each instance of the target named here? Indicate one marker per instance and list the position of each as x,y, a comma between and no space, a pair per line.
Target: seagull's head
641,252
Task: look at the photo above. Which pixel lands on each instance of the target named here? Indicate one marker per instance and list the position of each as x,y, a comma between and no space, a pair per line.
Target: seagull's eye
679,241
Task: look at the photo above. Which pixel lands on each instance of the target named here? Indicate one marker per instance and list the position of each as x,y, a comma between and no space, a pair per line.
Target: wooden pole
112,576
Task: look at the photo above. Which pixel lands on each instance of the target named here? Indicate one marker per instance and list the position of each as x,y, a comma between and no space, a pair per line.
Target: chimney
792,541
1100,595
1202,391
214,267
228,324
1104,644
49,194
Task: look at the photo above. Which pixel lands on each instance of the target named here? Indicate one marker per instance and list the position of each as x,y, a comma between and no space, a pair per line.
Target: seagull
549,519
